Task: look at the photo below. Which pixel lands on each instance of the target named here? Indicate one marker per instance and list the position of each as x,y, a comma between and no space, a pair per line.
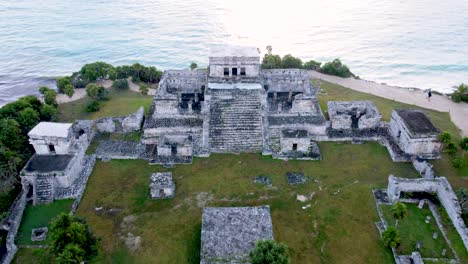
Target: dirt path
458,112
80,93
136,88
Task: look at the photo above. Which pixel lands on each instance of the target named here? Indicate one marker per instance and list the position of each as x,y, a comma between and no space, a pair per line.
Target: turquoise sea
411,43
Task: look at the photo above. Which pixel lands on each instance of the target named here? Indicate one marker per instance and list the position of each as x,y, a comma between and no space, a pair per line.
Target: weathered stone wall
439,186
41,145
353,115
424,168
12,224
133,122
303,144
105,125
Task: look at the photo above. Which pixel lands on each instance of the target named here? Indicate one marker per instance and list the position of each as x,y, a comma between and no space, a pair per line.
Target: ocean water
410,43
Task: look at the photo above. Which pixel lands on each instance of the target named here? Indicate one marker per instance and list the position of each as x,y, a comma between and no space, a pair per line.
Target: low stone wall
118,149
439,186
424,168
86,172
12,223
121,124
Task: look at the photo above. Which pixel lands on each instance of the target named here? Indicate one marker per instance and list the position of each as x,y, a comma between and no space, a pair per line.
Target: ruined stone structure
59,161
415,134
233,107
162,185
353,115
230,233
439,186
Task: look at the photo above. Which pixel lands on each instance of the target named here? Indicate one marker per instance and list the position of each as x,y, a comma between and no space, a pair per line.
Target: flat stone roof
230,86
234,51
51,129
230,233
173,122
293,133
48,163
287,120
417,121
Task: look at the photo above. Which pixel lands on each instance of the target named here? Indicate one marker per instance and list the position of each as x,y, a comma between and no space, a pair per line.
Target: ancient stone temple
415,134
56,169
234,106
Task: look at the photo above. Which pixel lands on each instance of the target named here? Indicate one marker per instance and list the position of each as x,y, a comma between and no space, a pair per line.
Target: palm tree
399,212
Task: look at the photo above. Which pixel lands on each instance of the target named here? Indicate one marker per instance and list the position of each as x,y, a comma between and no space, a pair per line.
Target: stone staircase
236,121
44,190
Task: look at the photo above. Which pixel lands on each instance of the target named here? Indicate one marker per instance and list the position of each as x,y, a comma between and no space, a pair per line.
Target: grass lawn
336,229
120,103
40,216
413,228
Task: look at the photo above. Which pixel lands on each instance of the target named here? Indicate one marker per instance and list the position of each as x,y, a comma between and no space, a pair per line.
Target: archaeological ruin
229,233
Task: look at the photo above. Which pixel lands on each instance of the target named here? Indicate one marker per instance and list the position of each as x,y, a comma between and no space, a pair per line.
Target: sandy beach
458,112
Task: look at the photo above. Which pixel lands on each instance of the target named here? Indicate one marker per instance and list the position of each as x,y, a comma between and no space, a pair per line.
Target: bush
121,84
96,92
445,137
464,144
391,237
290,61
461,94
456,97
193,66
268,251
451,148
312,65
337,68
144,89
69,90
28,118
95,71
48,112
62,83
93,106
458,163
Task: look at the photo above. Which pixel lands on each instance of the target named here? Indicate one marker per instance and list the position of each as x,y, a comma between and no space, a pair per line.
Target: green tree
9,166
391,237
112,74
458,163
62,83
69,90
93,106
461,94
48,112
96,92
50,96
337,68
445,137
399,211
12,109
464,143
96,70
28,118
121,84
290,61
143,89
72,240
268,251
312,65
10,134
31,101
451,148
137,70
193,66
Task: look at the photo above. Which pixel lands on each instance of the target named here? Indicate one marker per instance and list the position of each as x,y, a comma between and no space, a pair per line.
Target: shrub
120,84
445,137
290,61
144,89
96,70
451,148
461,94
456,97
193,66
62,83
268,251
93,106
312,65
464,144
28,118
50,96
96,92
69,90
337,68
48,112
391,237
458,163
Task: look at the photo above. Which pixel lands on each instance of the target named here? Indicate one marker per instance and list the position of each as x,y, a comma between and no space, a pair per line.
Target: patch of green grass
40,216
120,103
342,209
452,234
31,256
334,92
413,228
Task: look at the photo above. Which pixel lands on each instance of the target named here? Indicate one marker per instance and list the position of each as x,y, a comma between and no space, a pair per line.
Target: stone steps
44,190
236,121
87,166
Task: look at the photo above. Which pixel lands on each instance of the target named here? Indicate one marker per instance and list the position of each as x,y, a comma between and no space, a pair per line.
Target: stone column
290,96
190,106
196,98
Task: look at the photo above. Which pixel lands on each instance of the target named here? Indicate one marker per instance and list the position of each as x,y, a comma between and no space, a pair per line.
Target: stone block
133,122
39,234
295,178
162,185
105,125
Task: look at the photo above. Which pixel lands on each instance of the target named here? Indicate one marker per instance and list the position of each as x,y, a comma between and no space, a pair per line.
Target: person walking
429,95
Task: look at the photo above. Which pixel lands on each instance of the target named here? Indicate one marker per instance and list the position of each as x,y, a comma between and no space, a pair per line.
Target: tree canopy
269,251
391,237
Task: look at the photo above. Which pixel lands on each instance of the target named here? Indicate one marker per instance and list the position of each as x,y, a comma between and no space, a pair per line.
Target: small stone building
162,185
353,115
230,233
56,167
415,134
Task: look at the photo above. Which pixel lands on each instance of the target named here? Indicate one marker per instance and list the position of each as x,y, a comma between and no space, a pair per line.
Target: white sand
136,88
80,93
458,112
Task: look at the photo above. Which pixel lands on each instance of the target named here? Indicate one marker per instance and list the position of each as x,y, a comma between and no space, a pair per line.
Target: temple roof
51,129
417,122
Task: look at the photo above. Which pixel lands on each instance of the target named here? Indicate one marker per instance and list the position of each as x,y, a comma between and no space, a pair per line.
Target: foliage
96,92
461,94
28,118
193,66
95,71
271,61
138,72
464,143
391,237
78,81
462,195
445,137
48,112
93,106
290,61
62,83
458,163
10,134
451,148
120,84
69,90
144,89
50,96
312,65
72,240
9,163
399,211
268,251
337,68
